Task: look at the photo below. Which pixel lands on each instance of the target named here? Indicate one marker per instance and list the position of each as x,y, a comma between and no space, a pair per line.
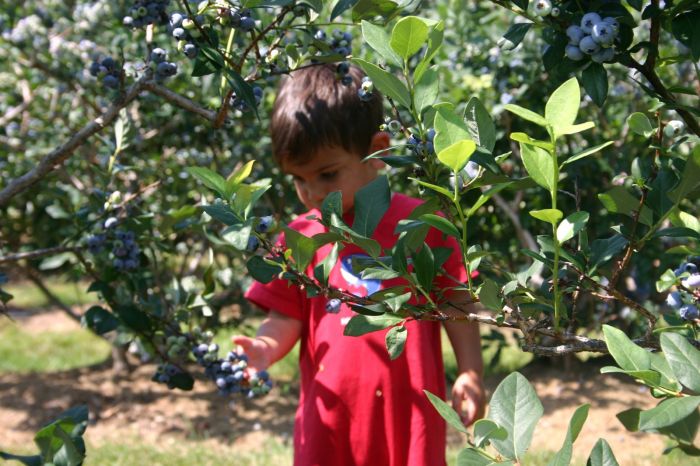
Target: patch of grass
272,452
26,295
24,352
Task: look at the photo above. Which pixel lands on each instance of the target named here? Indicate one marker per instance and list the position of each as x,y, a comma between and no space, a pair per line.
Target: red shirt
357,407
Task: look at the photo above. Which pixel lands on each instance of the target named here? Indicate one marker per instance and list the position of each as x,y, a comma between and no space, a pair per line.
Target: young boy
356,406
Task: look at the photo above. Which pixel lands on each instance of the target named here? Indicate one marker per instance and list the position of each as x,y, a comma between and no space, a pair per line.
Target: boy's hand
468,398
257,350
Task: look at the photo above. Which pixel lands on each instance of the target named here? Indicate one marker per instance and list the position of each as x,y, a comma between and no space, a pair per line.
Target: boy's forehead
320,159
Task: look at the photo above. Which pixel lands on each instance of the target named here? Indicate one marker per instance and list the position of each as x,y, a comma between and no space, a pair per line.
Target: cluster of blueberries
107,69
686,299
240,19
342,72
240,104
340,42
594,37
231,374
145,12
125,251
165,372
264,225
185,31
422,147
163,68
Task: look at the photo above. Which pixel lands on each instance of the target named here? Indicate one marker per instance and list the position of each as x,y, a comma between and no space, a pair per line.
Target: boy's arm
468,397
276,336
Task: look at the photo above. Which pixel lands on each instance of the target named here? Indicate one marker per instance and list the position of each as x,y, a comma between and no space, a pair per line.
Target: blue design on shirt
371,285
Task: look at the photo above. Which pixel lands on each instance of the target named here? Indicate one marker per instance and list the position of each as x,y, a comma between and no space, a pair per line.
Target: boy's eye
328,176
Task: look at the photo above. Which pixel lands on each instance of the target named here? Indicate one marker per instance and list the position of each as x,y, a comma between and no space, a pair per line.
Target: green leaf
514,35
683,358
427,89
648,377
522,137
236,178
571,225
526,114
563,456
434,187
627,355
341,7
516,407
442,224
238,235
602,455
602,250
434,43
480,124
472,457
34,460
332,205
486,195
210,179
485,429
386,82
640,124
547,215
408,36
424,262
449,128
619,200
446,411
539,165
685,29
666,281
99,320
303,248
371,203
323,270
574,129
262,270
595,81
134,318
685,430
690,178
668,412
69,451
222,213
562,107
378,38
457,155
395,341
488,295
586,152
360,324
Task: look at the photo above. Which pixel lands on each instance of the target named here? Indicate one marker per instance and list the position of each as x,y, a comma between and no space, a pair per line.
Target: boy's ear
380,141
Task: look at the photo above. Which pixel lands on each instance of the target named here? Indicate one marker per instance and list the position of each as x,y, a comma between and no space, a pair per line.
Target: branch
179,100
61,153
55,300
38,253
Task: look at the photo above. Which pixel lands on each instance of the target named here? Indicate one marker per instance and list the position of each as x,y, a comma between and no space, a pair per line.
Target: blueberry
394,126
333,306
672,129
613,22
158,55
264,224
247,23
361,93
221,382
588,20
588,45
346,80
190,50
603,34
253,244
688,312
176,19
109,63
543,7
343,68
692,282
575,34
179,33
430,134
674,299
320,35
128,21
686,267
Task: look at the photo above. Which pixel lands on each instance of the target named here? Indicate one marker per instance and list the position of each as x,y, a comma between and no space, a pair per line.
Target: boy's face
331,169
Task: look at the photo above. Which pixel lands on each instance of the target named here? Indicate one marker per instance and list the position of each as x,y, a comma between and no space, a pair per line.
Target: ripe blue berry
588,45
190,50
333,306
603,55
346,80
575,34
588,20
264,224
247,23
689,312
674,299
692,282
573,52
253,244
603,34
158,55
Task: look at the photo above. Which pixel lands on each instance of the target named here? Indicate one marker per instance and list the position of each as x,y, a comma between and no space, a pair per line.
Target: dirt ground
135,407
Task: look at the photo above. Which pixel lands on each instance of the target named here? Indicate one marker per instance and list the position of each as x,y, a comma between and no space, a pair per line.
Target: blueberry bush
556,141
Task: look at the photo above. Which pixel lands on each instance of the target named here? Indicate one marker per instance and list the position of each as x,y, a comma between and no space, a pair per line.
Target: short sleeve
278,295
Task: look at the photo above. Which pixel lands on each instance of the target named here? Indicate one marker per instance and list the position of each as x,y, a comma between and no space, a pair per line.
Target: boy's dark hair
314,109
